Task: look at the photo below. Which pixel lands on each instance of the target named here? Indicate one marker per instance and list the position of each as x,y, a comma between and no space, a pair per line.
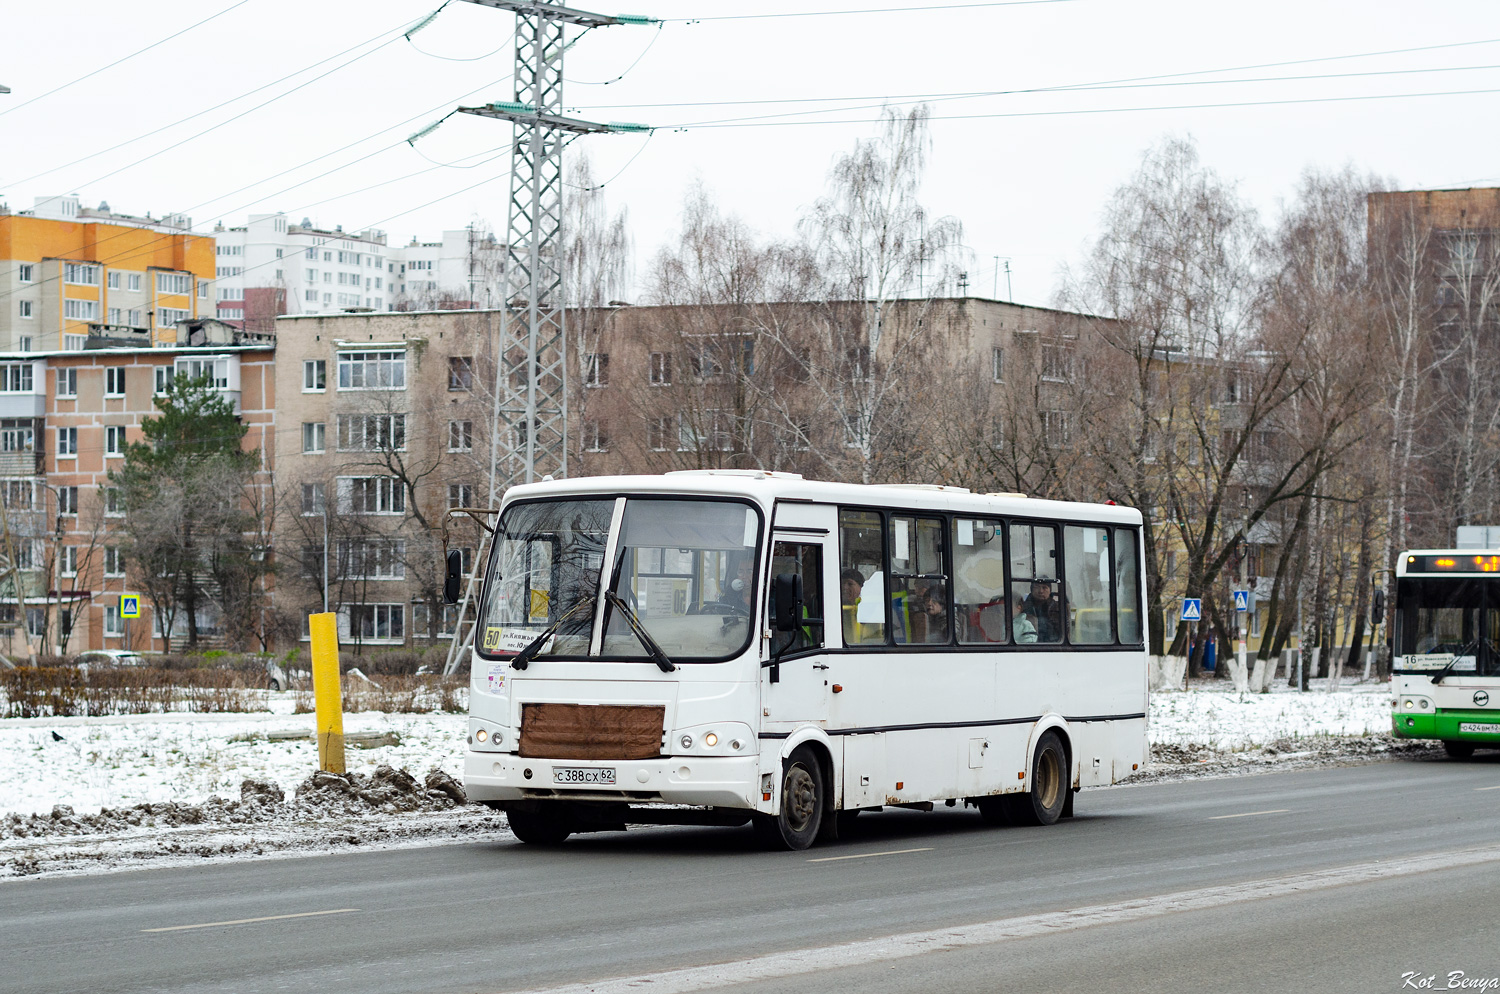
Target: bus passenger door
794,674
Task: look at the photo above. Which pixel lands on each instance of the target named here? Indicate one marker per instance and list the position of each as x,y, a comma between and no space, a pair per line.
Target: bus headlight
710,740
1408,705
686,741
482,735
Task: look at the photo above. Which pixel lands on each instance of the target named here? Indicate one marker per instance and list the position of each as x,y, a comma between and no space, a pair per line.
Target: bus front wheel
538,828
1043,803
802,802
1459,750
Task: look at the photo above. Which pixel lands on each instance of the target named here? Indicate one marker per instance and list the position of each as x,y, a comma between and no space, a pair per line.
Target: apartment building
386,417
463,268
68,272
65,419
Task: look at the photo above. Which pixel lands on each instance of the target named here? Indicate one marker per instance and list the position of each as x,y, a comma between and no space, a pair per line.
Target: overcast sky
1027,174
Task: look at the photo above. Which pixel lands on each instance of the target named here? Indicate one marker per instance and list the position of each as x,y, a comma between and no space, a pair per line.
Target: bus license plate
574,774
1482,728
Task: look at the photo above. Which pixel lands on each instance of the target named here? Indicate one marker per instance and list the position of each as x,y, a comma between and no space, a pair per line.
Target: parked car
276,676
109,658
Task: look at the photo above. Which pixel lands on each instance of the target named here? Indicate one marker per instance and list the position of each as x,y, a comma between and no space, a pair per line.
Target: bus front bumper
718,781
1473,726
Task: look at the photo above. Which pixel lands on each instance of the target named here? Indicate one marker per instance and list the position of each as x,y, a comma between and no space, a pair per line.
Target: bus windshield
1440,618
685,568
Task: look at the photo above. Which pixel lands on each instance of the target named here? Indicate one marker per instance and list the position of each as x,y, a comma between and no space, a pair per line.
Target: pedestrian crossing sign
1242,600
1192,609
130,605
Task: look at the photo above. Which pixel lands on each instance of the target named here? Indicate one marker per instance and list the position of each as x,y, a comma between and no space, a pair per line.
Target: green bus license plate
575,774
1473,727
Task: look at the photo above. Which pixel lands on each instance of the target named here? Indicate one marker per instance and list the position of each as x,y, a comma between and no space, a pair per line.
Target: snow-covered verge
81,794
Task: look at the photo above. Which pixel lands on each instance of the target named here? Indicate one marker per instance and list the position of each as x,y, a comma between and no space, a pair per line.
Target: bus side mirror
1377,607
786,596
453,581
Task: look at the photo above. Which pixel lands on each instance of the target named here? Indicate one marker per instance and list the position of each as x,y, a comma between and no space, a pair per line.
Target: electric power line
127,58
867,10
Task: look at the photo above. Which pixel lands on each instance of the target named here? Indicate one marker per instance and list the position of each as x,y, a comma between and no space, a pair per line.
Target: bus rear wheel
1459,750
539,828
1043,803
803,798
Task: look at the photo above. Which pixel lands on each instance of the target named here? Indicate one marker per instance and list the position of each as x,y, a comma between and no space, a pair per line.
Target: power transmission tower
529,427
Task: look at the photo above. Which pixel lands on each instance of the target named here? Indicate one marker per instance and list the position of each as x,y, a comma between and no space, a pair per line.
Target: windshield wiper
1457,658
658,655
526,655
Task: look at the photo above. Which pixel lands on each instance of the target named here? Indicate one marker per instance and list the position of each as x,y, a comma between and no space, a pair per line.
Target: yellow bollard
326,691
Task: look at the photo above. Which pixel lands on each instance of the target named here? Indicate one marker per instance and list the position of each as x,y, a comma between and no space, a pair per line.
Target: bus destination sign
1451,563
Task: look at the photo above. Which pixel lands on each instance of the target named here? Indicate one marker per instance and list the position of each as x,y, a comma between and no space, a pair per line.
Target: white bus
720,647
1445,668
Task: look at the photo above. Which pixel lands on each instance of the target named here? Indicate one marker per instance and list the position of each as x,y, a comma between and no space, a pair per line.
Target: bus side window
919,585
1036,589
982,615
1127,587
804,560
862,589
1088,566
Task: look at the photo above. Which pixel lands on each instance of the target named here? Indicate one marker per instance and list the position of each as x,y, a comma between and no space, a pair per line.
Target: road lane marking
247,921
867,855
1496,787
800,962
1251,814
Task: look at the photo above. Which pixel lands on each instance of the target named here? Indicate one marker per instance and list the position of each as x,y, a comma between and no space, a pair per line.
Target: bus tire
1043,803
1459,750
803,798
536,828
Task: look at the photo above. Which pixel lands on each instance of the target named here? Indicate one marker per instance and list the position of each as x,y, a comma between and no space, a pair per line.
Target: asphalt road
500,916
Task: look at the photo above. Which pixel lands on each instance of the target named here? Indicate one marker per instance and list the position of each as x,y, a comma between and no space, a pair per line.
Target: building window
23,273
114,503
372,559
705,431
17,435
18,495
81,310
372,371
460,436
372,432
74,343
312,436
377,621
163,378
311,296
67,443
114,625
80,274
67,560
23,343
113,279
1057,428
595,438
167,317
460,495
997,364
25,308
67,500
657,432
114,440
215,371
114,381
133,282
371,495
16,377
114,561
135,318
177,283
661,369
460,372
1054,363
231,293
312,499
596,369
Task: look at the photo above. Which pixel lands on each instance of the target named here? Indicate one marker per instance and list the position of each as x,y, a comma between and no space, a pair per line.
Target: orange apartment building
68,272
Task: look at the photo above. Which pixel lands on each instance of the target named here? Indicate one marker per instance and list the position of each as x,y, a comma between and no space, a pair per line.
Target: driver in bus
1041,608
735,594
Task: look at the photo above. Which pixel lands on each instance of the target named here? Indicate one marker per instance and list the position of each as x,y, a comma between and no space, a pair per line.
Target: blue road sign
1242,600
130,606
1192,609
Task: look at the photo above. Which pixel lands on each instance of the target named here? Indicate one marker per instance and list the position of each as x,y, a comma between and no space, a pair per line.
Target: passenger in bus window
1042,608
932,603
1021,627
851,588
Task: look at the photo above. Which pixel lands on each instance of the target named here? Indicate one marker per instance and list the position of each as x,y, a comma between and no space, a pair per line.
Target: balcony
16,464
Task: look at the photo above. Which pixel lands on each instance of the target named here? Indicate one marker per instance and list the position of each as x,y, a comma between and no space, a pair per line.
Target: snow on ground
119,762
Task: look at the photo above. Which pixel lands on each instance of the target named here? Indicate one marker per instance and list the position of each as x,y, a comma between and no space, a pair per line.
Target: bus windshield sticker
495,678
899,540
965,531
750,529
